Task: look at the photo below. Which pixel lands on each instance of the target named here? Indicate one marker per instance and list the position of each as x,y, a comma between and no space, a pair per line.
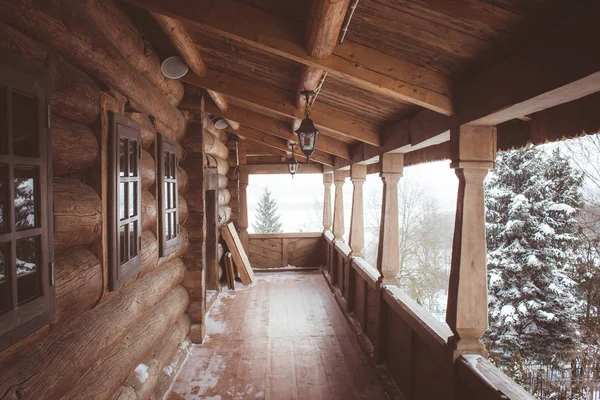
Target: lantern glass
292,166
307,136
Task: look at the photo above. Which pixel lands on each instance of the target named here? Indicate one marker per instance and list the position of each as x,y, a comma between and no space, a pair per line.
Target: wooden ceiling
397,80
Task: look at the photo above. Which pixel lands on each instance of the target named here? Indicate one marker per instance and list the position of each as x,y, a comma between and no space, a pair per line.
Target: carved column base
466,346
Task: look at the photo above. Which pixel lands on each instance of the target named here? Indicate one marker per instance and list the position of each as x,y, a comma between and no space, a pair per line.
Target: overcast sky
300,200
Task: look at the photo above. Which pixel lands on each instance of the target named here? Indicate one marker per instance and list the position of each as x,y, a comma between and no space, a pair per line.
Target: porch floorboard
282,338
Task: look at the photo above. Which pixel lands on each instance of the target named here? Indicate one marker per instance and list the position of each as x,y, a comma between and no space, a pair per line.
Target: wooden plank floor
283,338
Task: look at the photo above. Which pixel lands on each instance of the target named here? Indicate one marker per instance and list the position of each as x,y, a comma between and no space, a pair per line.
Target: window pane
3,122
133,157
133,240
175,222
122,244
166,195
24,125
28,271
4,293
173,165
122,195
3,196
173,191
167,230
172,224
25,198
122,160
132,199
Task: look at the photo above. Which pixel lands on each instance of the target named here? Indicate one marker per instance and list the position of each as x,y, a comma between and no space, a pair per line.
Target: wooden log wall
98,337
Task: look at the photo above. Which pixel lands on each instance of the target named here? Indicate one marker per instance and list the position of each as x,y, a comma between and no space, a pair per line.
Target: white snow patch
548,315
259,395
168,370
141,372
546,229
562,207
507,310
184,345
522,308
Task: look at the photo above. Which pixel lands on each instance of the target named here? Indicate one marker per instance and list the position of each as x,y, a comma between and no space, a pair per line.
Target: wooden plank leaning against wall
97,332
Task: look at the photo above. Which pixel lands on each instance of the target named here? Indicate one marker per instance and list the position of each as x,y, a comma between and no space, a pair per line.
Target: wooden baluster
358,174
388,255
474,152
338,211
327,181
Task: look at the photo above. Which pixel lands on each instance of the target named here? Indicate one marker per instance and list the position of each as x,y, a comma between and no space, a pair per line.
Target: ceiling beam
180,38
570,120
276,143
426,128
324,25
547,70
323,115
360,65
281,169
278,128
310,78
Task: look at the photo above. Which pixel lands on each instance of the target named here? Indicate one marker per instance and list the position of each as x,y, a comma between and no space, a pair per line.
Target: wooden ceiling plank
548,70
363,66
322,114
278,128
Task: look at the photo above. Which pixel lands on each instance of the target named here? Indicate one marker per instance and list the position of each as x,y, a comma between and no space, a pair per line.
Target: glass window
25,198
27,296
24,125
167,199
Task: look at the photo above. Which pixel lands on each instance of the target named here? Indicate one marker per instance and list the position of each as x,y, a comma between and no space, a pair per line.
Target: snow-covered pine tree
267,218
532,199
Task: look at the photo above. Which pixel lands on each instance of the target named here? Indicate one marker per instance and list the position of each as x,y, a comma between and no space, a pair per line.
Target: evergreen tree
532,199
267,217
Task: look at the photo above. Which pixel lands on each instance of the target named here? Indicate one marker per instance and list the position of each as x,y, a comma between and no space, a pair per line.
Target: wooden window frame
23,319
166,245
120,274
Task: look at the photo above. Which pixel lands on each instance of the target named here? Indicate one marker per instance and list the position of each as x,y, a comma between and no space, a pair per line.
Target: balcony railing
409,340
279,250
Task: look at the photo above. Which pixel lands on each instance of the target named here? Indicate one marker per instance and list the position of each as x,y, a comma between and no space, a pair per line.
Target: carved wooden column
358,174
388,256
327,181
473,153
338,209
243,221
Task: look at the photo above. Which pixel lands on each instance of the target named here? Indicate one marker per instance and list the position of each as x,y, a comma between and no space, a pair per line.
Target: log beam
324,25
362,66
74,147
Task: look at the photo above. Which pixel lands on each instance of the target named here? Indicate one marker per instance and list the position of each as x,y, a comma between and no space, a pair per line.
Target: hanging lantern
307,132
292,163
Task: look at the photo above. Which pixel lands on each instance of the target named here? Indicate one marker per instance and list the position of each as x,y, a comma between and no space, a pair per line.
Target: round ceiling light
174,67
220,123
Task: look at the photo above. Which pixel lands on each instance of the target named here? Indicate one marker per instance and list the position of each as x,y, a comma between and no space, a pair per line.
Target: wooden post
243,222
338,210
388,256
358,174
327,181
473,153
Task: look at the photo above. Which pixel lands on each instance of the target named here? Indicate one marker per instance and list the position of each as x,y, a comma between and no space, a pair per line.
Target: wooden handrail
366,271
343,248
487,381
420,320
297,235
